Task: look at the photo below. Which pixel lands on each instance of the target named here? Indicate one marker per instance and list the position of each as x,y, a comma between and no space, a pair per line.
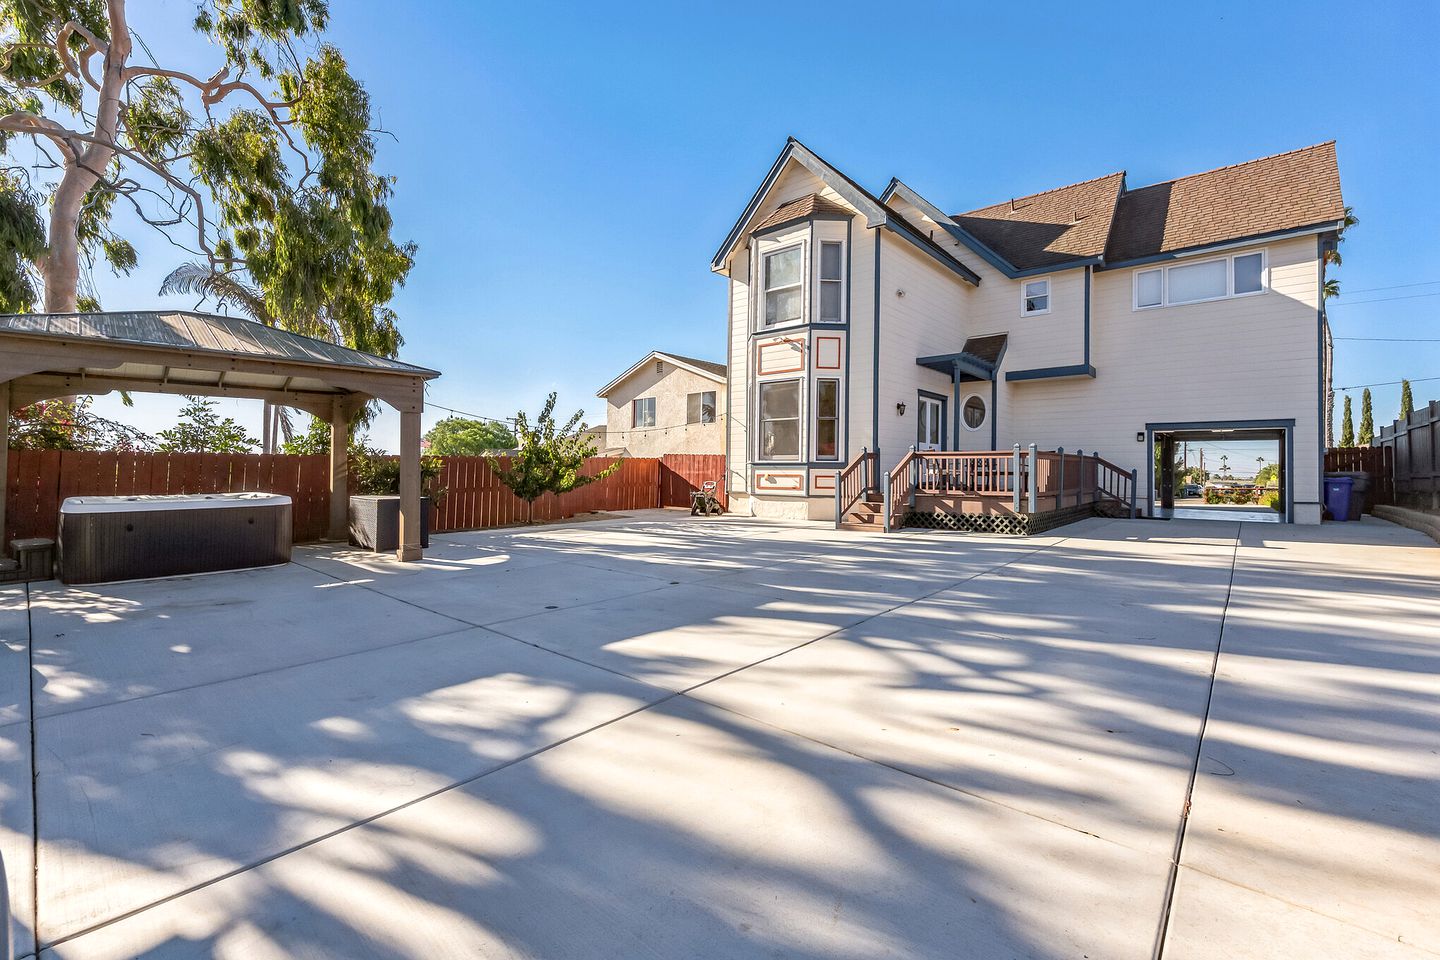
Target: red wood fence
683,473
473,497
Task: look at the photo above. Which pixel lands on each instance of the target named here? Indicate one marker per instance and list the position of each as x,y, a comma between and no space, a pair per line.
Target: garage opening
1220,473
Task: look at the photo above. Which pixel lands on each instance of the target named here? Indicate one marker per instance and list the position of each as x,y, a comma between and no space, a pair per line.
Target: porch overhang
962,366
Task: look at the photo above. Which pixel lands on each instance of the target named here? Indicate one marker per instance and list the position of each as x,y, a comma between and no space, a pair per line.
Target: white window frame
983,405
801,439
635,423
1229,294
764,323
820,280
714,409
1049,296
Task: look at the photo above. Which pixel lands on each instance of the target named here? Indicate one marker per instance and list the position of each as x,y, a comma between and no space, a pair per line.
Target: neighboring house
666,403
1094,316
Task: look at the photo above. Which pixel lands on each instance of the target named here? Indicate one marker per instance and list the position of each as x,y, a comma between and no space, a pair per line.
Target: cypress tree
1367,420
1347,426
1407,405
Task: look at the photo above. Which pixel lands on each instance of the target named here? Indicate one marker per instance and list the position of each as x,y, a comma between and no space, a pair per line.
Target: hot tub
103,539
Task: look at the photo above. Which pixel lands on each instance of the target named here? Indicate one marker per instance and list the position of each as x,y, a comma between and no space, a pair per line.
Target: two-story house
666,403
1098,316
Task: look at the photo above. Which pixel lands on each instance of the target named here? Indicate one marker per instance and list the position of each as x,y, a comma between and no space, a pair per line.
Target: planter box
375,522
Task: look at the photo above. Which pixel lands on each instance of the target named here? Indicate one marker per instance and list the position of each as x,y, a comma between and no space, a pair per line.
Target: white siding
1248,358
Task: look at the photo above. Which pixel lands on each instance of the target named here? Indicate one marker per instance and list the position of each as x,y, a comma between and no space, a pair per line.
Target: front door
930,431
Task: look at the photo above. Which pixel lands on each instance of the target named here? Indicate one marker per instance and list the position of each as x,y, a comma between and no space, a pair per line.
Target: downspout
1088,269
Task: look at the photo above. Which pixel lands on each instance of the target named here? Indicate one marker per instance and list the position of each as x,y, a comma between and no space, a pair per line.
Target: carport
47,356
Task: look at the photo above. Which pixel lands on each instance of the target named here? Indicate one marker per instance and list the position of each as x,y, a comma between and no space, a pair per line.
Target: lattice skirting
1010,524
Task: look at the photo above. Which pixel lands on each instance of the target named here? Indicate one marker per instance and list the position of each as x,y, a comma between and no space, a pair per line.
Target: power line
1392,339
1387,383
1397,286
1356,303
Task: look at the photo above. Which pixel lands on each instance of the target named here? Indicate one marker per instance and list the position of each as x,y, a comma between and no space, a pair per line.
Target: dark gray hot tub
103,539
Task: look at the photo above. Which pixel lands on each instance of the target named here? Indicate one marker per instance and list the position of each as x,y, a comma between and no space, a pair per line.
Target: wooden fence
682,473
1414,444
473,497
1378,462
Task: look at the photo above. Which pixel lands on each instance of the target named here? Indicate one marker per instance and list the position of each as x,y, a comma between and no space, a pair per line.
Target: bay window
780,420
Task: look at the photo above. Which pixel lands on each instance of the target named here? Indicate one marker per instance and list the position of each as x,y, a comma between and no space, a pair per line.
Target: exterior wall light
1139,436
900,409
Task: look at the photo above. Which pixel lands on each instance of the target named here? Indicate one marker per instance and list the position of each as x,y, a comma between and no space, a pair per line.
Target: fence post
1032,482
1015,475
1134,489
837,501
865,471
1080,484
914,478
885,500
1060,488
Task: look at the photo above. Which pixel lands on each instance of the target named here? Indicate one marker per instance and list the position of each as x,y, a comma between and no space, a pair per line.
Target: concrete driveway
664,737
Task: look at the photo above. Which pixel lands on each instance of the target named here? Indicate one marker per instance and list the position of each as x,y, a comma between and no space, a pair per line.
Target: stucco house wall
671,433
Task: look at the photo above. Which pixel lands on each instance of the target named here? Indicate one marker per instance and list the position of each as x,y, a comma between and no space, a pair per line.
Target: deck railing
1034,481
854,483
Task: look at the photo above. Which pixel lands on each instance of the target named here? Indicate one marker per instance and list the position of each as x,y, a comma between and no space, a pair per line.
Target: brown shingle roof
1049,228
716,368
986,349
1281,192
804,208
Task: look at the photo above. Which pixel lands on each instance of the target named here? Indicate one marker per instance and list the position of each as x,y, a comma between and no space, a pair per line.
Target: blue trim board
994,414
935,253
1052,373
875,383
849,338
953,363
1222,245
1320,419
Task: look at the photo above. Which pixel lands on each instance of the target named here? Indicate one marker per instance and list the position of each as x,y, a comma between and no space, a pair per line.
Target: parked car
1191,490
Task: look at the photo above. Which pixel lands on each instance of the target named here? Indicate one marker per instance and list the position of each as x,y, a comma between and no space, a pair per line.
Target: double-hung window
700,407
827,419
642,412
832,283
784,293
780,420
1240,275
1034,297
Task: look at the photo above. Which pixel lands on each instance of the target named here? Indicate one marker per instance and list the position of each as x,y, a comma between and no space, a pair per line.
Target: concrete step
862,527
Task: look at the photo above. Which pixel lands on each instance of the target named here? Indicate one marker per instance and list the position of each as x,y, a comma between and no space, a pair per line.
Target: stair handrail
1113,482
899,486
848,489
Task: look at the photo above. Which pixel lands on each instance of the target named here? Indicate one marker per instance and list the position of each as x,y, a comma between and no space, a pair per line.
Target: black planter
375,521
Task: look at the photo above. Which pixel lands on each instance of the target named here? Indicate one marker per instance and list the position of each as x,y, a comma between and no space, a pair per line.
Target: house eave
1245,241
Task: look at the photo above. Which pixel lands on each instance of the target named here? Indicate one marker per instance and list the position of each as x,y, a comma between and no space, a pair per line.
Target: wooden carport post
4,461
409,548
339,469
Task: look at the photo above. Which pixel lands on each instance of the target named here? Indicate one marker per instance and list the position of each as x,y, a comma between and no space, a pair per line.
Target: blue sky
569,169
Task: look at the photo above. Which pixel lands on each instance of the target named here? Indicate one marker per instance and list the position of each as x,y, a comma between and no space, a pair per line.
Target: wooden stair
865,515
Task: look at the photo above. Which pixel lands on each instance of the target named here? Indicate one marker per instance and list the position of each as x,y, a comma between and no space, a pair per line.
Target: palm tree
1332,255
194,279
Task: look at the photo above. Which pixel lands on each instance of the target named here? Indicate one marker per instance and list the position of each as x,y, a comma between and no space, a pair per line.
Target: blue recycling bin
1337,496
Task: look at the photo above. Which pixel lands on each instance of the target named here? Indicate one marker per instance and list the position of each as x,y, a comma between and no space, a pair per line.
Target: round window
974,411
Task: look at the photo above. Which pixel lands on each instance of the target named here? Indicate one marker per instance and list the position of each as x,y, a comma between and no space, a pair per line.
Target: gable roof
191,332
987,349
804,208
1050,228
876,213
1285,191
705,368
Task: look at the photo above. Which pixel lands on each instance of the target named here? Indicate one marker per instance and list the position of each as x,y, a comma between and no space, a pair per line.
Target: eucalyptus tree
262,169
